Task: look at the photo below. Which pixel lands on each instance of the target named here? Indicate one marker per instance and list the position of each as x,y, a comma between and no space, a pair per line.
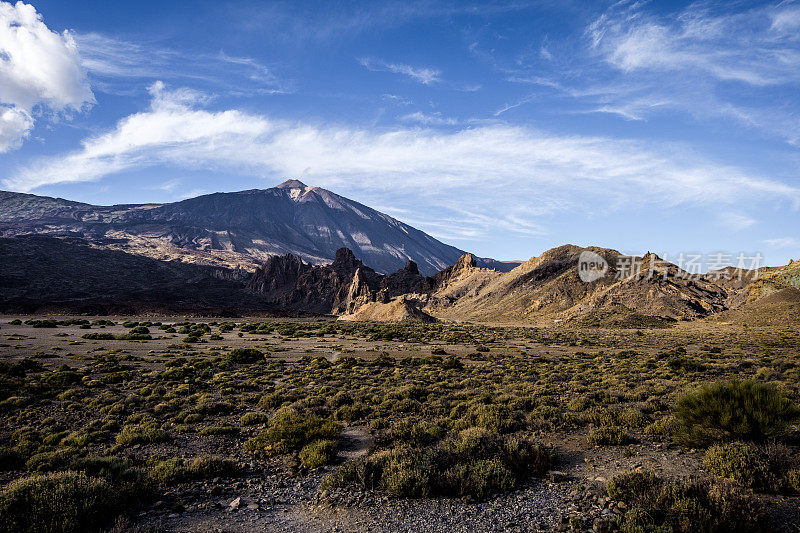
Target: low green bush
686,364
50,460
290,430
743,410
98,336
688,505
498,418
416,433
57,502
761,468
474,463
632,418
145,432
272,400
318,453
45,323
607,436
253,419
633,486
578,405
245,355
177,470
663,426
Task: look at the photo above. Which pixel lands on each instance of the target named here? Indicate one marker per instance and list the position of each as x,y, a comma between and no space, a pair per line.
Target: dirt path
539,506
355,441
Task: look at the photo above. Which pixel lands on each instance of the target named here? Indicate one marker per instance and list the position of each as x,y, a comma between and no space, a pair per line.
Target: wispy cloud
425,76
397,99
745,46
467,172
113,63
785,18
40,71
301,22
514,105
735,220
429,119
167,186
712,61
783,242
706,60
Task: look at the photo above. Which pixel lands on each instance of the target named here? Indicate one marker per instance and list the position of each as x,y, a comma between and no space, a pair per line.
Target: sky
503,128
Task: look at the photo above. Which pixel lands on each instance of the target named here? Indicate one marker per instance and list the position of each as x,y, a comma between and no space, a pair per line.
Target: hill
550,287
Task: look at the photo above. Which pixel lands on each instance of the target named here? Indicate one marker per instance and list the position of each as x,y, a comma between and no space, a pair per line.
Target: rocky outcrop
293,284
398,310
358,293
278,275
341,287
407,280
465,264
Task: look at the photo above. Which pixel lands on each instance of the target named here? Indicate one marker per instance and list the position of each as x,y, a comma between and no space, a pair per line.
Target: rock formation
341,287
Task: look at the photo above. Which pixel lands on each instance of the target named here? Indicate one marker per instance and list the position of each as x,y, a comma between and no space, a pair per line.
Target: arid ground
186,424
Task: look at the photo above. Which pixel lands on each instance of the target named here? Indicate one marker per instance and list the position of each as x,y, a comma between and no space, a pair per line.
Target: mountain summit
237,229
291,184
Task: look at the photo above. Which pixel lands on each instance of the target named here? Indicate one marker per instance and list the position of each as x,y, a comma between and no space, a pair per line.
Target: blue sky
504,128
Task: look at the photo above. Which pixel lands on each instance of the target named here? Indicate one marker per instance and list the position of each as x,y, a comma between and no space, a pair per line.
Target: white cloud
15,125
167,186
435,119
426,76
39,69
528,172
509,107
397,99
711,61
113,62
736,221
749,47
786,19
783,242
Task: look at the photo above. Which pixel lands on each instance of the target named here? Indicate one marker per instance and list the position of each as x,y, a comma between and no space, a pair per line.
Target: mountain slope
549,286
774,279
237,229
42,274
778,308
